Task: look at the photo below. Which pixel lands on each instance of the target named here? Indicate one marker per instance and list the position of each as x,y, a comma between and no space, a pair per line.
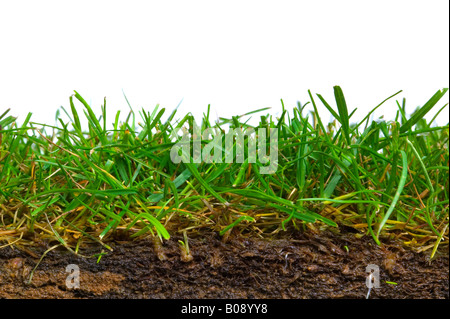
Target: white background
235,55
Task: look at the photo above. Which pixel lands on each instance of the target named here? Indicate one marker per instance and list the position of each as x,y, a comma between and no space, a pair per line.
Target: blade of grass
423,110
400,187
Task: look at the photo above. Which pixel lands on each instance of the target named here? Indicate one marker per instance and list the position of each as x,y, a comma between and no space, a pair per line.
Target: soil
302,265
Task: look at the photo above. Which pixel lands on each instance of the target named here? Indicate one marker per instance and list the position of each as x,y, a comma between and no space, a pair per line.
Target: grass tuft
68,186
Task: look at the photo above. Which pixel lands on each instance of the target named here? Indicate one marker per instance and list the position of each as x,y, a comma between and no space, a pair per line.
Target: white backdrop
235,55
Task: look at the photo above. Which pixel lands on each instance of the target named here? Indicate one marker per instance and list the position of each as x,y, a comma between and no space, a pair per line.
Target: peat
302,265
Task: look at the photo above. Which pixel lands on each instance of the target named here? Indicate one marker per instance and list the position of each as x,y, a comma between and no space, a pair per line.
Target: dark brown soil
301,266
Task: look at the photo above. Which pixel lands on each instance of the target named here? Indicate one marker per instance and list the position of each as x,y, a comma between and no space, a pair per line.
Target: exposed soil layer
304,265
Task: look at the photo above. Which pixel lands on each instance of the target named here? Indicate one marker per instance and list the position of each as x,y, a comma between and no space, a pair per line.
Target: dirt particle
215,259
346,270
390,263
313,268
16,268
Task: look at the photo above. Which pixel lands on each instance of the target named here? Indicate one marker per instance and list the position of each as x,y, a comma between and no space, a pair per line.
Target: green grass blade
343,112
419,114
237,221
400,187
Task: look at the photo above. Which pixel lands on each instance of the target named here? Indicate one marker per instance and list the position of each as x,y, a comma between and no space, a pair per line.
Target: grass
73,186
